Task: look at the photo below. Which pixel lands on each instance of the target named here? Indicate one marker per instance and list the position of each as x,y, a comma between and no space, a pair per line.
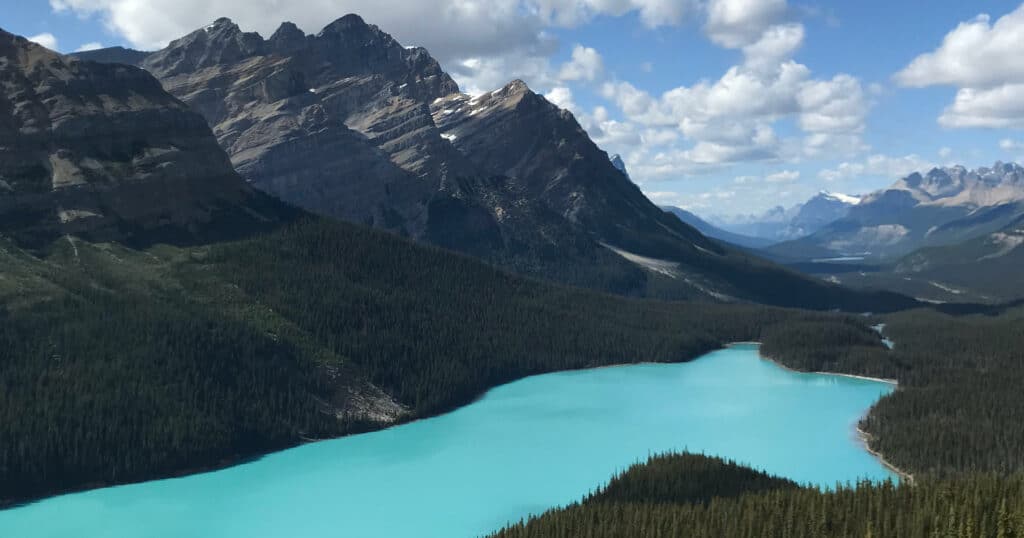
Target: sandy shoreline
864,377
865,439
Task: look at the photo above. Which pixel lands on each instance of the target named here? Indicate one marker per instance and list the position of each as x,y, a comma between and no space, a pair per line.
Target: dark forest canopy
959,406
121,365
667,497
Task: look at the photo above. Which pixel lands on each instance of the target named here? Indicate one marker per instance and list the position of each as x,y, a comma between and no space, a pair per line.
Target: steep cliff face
517,133
103,151
340,123
336,123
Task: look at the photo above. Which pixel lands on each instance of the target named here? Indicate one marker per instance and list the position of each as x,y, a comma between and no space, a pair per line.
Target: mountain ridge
348,123
941,207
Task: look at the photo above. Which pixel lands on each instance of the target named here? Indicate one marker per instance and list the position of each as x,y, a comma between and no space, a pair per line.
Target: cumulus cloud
775,45
586,64
975,54
984,60
998,107
785,176
92,45
877,165
479,74
45,39
1007,144
731,119
737,23
653,13
562,97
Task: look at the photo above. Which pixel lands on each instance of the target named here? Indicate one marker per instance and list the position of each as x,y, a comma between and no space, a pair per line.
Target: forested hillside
122,364
748,504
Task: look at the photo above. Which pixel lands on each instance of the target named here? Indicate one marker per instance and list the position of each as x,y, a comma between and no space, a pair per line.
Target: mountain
349,123
113,55
944,206
101,151
990,264
715,232
782,224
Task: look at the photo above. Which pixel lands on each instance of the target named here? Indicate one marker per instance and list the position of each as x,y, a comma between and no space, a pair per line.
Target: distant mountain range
349,123
713,231
943,207
990,264
775,225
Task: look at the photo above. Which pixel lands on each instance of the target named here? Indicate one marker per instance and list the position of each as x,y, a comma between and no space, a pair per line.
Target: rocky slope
989,264
351,124
102,151
943,207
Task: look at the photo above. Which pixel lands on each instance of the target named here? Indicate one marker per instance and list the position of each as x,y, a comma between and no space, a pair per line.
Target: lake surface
523,448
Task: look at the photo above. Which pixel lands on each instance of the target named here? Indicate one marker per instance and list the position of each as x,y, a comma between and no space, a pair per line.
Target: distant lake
524,447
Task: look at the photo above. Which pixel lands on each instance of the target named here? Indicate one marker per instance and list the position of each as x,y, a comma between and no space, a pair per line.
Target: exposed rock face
101,150
517,133
942,207
351,124
335,123
113,55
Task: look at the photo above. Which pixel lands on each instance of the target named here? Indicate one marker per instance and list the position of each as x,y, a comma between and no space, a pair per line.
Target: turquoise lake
523,448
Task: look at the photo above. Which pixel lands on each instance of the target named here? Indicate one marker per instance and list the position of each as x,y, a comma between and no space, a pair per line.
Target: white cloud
984,60
999,107
653,13
785,176
945,152
586,64
665,197
92,45
775,45
1011,145
975,54
562,97
477,75
45,39
731,119
737,23
877,165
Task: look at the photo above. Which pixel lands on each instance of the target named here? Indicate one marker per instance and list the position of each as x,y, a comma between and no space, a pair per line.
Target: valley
331,284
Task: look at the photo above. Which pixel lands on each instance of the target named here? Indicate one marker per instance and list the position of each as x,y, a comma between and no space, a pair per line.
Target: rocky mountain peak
287,38
516,87
219,43
102,150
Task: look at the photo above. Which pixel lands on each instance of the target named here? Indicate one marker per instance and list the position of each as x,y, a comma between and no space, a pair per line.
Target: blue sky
721,106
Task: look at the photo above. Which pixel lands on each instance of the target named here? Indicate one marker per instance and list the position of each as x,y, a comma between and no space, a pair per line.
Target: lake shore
865,439
863,436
